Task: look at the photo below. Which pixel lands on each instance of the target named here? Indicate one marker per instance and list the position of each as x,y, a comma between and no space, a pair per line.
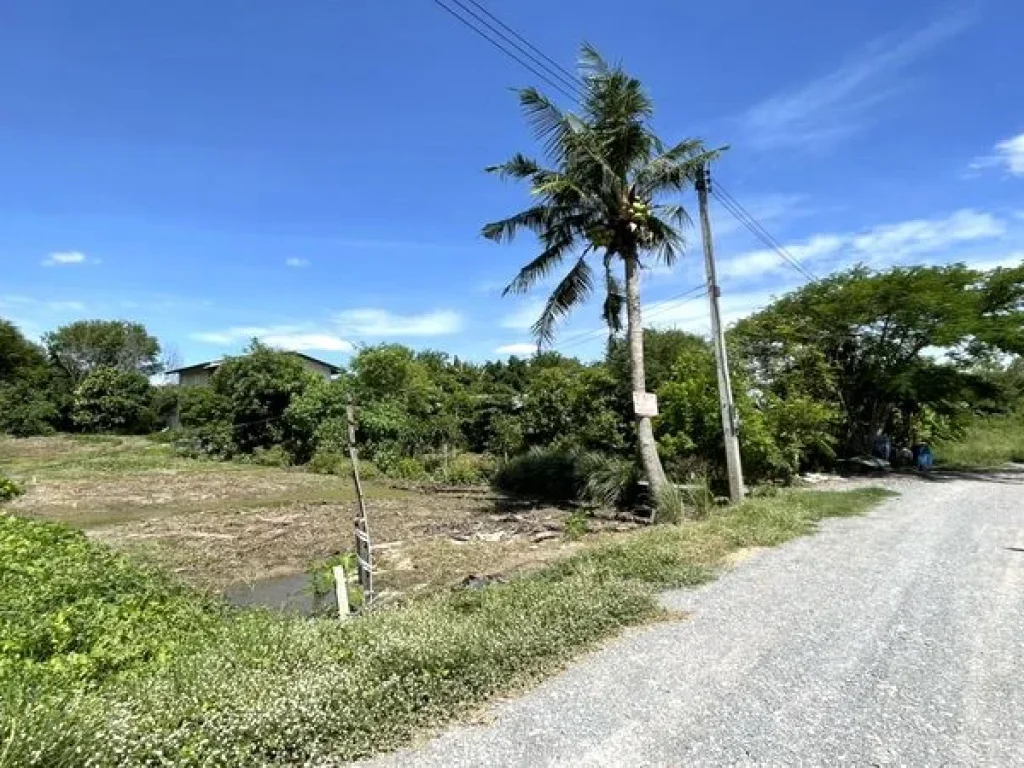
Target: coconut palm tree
602,198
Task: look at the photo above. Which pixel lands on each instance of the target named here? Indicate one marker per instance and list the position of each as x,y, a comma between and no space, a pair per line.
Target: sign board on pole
645,404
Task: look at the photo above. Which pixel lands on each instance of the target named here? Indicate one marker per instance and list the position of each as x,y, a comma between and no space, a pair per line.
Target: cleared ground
217,524
893,639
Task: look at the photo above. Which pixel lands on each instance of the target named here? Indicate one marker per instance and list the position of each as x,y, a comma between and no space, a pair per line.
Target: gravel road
892,639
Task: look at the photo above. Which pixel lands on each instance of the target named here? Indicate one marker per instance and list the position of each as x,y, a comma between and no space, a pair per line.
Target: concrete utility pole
730,423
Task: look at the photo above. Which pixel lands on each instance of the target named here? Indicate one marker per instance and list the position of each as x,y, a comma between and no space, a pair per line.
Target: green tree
83,346
602,197
259,386
317,419
885,345
112,400
31,398
777,436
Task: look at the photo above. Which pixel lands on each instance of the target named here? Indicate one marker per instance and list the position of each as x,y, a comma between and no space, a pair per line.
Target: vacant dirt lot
220,524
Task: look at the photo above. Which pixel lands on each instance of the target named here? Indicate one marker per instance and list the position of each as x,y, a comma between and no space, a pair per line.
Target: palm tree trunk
635,331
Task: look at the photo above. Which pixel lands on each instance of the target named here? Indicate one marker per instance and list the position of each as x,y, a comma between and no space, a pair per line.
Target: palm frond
673,214
574,289
539,268
674,169
550,124
504,231
518,167
591,62
666,242
615,296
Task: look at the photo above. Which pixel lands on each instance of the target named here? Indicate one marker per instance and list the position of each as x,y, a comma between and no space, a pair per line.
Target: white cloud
896,242
296,263
523,317
881,246
301,342
66,306
763,261
517,349
64,258
834,105
239,333
294,337
1007,154
382,322
10,298
1010,260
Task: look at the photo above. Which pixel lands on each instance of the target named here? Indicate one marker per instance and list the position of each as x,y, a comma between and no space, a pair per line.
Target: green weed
103,658
986,443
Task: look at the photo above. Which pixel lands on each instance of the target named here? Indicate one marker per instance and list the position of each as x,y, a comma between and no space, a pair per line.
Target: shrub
561,474
25,411
213,440
9,489
317,420
406,468
274,456
459,469
327,462
112,400
469,469
259,388
541,473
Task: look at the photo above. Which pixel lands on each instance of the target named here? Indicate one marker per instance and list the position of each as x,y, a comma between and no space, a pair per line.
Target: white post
341,590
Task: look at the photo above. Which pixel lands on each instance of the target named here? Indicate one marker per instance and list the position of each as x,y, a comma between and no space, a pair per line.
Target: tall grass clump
561,474
987,442
549,473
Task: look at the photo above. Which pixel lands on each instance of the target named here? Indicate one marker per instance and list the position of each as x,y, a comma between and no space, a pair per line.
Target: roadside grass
104,662
988,443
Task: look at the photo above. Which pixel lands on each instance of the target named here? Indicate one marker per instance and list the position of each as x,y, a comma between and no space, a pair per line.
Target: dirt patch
218,524
121,497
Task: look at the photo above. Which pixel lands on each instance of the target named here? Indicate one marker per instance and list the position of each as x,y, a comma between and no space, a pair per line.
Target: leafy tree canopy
18,356
85,345
113,400
259,386
885,343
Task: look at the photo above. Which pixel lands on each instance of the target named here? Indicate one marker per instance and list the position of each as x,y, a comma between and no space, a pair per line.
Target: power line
518,42
501,46
747,219
572,75
661,307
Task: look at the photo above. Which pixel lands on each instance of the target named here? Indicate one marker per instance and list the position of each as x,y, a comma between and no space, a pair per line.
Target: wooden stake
364,549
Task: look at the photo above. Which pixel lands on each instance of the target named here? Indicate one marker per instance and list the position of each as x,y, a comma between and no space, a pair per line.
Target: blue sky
311,173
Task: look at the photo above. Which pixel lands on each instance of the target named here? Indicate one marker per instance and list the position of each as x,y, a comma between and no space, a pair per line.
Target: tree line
912,353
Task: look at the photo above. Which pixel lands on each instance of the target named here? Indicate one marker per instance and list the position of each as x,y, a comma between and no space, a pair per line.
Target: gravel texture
891,639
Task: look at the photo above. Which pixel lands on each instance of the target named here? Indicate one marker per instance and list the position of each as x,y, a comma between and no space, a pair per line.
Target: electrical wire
501,46
659,308
747,219
518,42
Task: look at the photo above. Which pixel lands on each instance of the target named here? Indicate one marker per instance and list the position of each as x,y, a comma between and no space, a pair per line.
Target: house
198,375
